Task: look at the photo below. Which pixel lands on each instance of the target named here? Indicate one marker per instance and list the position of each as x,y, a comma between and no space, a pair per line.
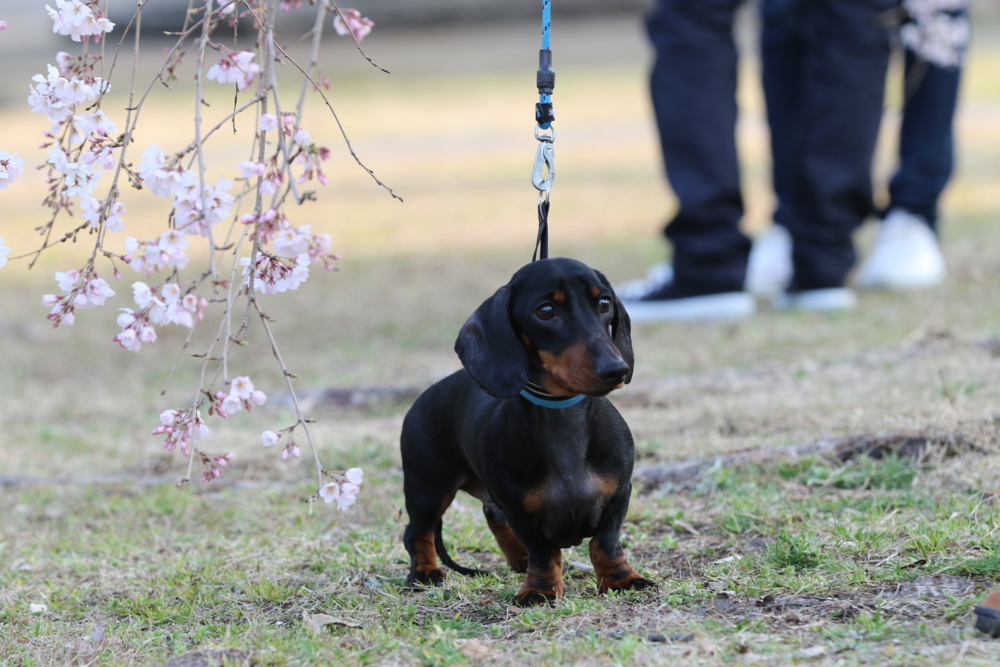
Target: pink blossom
268,122
329,492
56,95
269,438
241,386
249,169
11,167
354,475
355,24
67,279
290,448
162,178
348,495
4,251
258,397
129,340
230,404
77,20
274,275
88,124
181,427
302,138
235,68
286,5
188,207
3,25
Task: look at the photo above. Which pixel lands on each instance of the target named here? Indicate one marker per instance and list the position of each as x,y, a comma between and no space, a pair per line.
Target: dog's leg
613,570
425,509
513,550
544,582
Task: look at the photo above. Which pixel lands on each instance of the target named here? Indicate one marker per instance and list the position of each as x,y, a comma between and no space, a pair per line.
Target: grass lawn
804,561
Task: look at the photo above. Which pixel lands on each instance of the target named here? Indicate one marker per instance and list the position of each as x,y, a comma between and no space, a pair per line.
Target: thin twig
340,125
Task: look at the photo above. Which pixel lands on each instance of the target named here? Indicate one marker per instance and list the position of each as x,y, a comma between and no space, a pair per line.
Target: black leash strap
542,241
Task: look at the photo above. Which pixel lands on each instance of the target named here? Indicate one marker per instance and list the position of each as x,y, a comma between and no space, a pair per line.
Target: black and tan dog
525,429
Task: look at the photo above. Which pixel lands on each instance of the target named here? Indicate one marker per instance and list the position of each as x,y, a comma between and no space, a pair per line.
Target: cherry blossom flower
290,448
286,5
4,251
354,475
225,7
302,138
214,465
83,290
3,25
164,177
235,68
11,167
330,492
274,275
188,214
78,20
181,427
249,169
56,95
93,212
269,438
353,23
157,255
90,123
268,122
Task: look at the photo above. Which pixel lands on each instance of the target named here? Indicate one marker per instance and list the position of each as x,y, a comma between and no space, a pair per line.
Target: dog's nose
612,371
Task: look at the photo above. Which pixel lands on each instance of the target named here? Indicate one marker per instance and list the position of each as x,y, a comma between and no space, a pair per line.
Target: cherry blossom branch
85,144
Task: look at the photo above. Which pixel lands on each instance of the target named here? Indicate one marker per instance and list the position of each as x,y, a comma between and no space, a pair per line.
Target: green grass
165,571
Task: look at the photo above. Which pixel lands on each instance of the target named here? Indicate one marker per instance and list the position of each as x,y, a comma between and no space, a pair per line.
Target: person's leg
782,54
926,146
693,86
832,136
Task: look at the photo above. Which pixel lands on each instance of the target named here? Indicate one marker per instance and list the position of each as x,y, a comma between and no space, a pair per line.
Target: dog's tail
446,559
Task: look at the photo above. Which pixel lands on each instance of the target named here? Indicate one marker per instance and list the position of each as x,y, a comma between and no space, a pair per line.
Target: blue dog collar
557,405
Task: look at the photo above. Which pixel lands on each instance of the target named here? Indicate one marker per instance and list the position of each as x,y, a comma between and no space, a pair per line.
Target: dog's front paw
634,581
529,597
418,579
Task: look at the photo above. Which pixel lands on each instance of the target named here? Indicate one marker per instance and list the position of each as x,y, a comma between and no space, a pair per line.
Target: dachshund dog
525,428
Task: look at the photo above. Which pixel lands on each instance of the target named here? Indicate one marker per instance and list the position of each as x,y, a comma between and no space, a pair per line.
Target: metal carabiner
544,170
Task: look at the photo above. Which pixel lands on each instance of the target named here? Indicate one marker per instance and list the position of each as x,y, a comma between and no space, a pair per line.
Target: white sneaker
825,300
657,277
707,308
769,267
905,256
722,307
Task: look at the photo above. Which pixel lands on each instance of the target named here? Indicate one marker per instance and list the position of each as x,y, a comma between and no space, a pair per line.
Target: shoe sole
710,308
818,300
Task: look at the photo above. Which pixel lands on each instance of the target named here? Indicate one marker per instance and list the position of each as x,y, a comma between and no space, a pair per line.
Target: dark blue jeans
926,145
833,75
926,142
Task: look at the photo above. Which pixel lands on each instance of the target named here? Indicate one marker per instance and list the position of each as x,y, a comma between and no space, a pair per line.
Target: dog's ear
489,348
621,329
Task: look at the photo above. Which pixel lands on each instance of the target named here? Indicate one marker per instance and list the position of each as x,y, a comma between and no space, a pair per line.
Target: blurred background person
828,71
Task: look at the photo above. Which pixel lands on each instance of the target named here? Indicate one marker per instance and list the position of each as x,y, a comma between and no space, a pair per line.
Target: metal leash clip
544,171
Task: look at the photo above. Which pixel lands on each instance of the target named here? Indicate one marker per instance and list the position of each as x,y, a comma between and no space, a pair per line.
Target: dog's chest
567,505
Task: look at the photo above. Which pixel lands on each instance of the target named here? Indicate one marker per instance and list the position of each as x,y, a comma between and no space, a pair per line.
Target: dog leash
543,172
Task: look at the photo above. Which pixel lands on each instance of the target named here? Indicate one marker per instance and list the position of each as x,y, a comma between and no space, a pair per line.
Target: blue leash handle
544,114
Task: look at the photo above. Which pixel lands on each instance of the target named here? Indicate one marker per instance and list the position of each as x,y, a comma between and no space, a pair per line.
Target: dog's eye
546,312
604,305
